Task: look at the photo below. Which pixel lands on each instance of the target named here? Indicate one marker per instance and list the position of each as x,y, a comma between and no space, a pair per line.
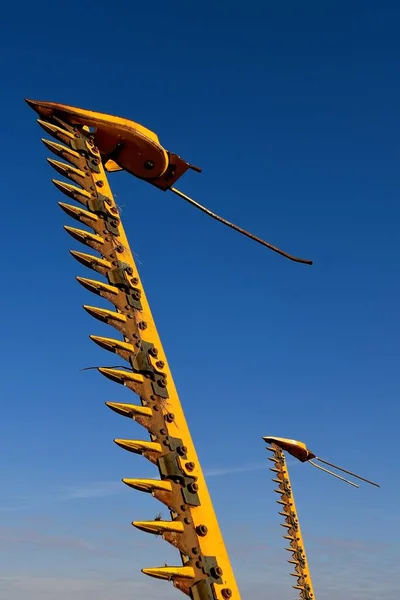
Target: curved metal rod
239,229
348,472
334,474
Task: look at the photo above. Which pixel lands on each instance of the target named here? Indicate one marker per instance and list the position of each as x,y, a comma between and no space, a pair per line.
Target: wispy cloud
81,491
99,587
341,545
218,471
93,489
258,466
14,535
101,489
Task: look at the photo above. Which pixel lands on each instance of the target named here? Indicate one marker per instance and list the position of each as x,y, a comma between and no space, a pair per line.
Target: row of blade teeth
149,449
291,523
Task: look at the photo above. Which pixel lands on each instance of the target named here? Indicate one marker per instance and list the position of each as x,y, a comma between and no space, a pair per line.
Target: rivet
99,184
169,417
226,593
190,466
153,352
160,364
216,572
193,488
187,521
182,450
201,530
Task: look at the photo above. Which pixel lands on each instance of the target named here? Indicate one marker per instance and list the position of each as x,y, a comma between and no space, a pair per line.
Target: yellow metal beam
206,572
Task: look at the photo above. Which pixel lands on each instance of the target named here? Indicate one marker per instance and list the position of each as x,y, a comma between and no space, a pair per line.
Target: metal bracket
169,469
141,364
202,590
80,145
98,205
133,298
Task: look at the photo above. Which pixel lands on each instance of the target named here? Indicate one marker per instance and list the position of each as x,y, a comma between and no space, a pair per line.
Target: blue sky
292,111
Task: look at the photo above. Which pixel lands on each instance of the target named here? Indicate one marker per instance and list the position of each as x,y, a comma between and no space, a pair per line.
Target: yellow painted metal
170,572
206,573
297,449
139,446
130,410
84,236
160,527
149,485
107,316
291,523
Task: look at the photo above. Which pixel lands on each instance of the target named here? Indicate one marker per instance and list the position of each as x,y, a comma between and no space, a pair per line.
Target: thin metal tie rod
239,229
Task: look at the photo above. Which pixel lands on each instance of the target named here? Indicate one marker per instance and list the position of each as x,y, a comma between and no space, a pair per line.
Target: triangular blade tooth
139,446
76,193
149,485
113,345
100,265
68,171
85,237
106,316
159,527
170,572
130,410
57,132
80,214
97,287
63,152
120,376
